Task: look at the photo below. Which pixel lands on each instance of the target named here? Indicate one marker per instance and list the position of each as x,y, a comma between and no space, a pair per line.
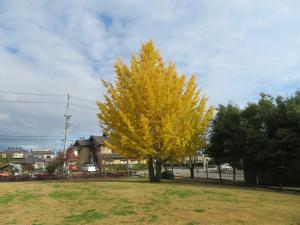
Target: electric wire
34,102
28,93
26,138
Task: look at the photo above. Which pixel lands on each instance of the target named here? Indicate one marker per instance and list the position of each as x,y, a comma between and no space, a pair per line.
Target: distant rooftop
110,156
14,148
93,140
41,152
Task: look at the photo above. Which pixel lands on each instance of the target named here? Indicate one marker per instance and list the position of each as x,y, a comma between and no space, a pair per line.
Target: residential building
18,157
15,153
43,154
94,151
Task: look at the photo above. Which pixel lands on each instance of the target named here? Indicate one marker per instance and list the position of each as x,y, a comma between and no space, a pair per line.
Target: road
212,173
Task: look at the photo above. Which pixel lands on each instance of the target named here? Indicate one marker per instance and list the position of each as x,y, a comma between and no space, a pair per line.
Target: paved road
212,173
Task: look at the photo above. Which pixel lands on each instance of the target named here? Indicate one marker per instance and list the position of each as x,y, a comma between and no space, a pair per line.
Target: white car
89,168
226,166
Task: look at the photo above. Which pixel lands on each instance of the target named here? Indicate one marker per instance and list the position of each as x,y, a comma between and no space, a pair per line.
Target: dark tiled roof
110,156
33,152
27,160
35,159
82,143
94,140
98,140
15,151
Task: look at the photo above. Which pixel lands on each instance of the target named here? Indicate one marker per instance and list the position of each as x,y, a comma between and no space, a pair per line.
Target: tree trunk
151,169
234,169
165,165
220,172
157,171
256,177
192,171
206,171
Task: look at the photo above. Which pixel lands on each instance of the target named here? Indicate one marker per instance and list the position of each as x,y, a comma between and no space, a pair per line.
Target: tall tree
258,119
227,137
147,113
235,137
198,140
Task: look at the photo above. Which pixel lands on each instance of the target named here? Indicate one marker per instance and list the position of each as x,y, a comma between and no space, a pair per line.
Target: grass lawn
140,202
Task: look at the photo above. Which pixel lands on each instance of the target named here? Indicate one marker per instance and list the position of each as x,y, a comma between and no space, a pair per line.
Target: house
19,157
94,151
44,154
37,163
15,153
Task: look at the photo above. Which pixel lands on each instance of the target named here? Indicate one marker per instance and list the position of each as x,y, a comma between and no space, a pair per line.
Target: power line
35,102
31,139
84,99
40,94
25,136
83,106
47,102
28,93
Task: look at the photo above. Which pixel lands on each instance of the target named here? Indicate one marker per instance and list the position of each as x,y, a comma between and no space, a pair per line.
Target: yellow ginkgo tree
149,111
198,135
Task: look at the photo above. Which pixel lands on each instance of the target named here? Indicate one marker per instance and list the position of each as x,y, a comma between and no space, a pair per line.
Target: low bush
167,174
51,168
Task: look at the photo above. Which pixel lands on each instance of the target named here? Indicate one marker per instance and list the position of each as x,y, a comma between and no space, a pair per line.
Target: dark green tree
265,137
257,123
227,137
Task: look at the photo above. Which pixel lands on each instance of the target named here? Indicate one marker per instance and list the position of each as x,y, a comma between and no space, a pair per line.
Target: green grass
139,202
199,210
179,193
88,216
64,195
123,212
19,196
153,218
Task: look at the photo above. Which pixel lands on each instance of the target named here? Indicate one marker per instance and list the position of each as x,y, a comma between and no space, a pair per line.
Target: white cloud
236,48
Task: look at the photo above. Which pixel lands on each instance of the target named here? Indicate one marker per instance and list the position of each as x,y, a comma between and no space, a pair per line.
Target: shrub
51,168
167,174
139,166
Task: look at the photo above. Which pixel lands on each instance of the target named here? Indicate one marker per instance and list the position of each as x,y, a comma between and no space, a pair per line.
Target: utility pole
67,125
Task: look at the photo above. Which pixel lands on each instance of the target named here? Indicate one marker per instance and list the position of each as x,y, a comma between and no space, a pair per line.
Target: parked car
89,168
226,166
4,174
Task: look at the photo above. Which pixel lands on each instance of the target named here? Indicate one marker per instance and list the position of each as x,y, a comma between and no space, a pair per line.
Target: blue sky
237,49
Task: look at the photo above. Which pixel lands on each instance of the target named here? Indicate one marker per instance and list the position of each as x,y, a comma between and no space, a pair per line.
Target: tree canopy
264,136
149,111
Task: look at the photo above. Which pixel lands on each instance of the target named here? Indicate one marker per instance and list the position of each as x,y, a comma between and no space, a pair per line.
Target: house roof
84,142
98,140
2,167
29,159
110,156
37,152
15,151
94,140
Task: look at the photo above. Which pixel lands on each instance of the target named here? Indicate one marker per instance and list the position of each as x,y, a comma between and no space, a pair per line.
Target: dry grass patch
136,202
